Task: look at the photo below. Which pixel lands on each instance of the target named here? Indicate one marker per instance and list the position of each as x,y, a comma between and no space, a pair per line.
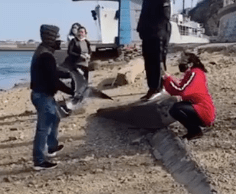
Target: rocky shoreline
103,156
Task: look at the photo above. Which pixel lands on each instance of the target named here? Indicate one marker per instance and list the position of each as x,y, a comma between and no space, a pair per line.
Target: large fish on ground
151,114
81,88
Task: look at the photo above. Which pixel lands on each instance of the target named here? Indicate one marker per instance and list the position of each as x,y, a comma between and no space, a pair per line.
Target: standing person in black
154,29
44,85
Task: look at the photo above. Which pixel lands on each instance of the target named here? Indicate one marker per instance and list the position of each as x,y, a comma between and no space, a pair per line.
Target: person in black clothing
79,51
77,62
44,85
154,29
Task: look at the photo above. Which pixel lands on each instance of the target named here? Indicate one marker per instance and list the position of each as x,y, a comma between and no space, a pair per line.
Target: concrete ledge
128,74
152,114
225,48
172,152
226,10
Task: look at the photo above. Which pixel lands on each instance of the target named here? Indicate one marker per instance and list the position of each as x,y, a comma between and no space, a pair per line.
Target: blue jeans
47,125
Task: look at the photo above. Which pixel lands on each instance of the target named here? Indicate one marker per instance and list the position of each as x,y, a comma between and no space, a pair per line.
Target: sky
20,20
178,6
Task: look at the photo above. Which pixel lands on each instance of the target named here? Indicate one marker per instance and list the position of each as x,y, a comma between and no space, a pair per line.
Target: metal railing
187,31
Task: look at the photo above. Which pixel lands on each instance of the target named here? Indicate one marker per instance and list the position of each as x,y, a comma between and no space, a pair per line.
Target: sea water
14,68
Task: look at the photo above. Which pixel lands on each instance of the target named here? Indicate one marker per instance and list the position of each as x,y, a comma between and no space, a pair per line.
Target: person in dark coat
44,84
154,29
79,51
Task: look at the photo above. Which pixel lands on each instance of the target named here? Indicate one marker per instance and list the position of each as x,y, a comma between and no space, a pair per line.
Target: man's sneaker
53,153
146,95
45,165
151,95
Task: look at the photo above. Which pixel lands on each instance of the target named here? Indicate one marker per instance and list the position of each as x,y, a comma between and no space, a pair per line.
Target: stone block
142,114
128,74
172,152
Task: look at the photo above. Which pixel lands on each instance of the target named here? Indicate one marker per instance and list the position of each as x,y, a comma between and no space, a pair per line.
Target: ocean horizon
14,68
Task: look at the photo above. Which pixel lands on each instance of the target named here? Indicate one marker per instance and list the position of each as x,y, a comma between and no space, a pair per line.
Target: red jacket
193,88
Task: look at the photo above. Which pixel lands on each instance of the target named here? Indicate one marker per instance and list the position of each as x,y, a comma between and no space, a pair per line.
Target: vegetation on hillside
206,13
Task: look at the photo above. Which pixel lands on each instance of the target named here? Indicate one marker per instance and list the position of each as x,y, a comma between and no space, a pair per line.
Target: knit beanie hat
49,34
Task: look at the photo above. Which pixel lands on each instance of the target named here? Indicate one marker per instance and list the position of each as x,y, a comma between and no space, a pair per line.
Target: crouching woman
196,108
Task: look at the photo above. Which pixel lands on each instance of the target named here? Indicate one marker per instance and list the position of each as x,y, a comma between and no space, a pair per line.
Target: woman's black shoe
191,136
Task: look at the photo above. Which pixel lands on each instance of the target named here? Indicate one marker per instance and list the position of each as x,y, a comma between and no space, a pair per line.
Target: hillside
205,13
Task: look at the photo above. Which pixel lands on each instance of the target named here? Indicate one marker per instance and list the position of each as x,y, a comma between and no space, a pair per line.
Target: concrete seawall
227,27
172,152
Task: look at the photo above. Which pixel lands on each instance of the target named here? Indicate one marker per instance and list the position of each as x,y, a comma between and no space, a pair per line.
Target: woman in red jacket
196,108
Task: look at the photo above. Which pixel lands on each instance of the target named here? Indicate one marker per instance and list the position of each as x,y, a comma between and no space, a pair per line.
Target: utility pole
183,6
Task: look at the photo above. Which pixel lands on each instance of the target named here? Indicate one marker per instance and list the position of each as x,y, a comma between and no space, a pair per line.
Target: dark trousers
184,113
151,55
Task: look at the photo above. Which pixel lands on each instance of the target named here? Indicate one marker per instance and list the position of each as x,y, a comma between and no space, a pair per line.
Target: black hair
75,24
82,27
194,59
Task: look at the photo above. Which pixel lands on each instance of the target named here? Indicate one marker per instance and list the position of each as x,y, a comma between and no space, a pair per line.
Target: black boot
191,136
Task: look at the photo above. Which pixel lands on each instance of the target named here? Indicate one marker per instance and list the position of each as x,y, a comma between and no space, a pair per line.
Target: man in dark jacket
44,84
154,29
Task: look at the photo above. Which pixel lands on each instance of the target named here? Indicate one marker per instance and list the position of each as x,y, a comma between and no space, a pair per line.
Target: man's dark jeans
151,55
47,125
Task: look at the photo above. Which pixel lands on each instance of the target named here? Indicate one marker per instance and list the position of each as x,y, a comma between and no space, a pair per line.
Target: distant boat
186,31
118,27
